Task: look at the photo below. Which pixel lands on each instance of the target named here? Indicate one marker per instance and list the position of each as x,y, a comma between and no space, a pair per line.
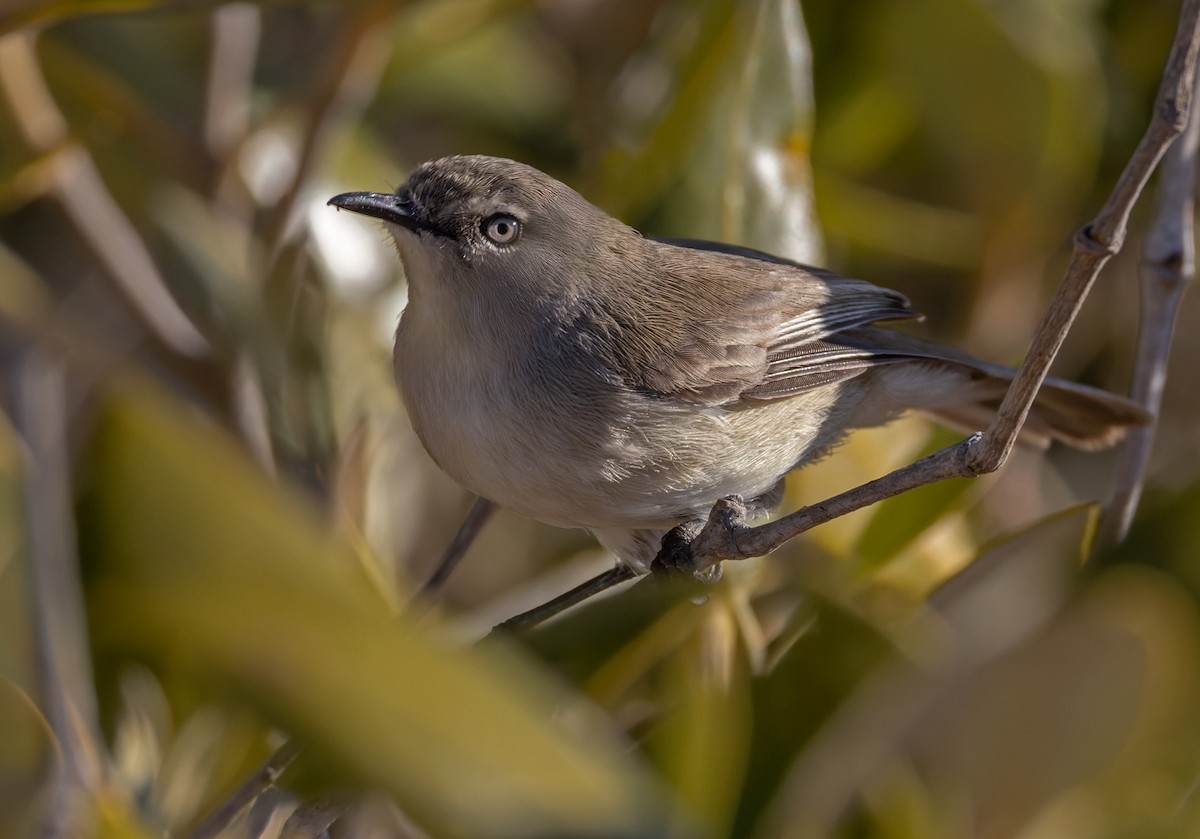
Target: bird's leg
601,582
478,516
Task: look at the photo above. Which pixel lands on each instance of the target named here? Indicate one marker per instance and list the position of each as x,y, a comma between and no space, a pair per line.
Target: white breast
595,457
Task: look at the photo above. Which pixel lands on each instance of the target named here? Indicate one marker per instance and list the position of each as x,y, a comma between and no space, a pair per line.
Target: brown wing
769,329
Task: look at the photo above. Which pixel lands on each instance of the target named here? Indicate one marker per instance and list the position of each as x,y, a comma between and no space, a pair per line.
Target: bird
554,360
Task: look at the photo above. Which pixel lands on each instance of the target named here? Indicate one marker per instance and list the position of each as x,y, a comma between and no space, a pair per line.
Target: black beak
394,208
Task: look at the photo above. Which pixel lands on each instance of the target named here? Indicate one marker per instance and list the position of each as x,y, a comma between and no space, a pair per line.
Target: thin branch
61,640
236,28
97,218
346,82
726,536
1168,267
481,511
245,794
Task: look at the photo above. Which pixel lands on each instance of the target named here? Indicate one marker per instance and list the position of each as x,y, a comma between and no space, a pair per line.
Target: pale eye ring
502,229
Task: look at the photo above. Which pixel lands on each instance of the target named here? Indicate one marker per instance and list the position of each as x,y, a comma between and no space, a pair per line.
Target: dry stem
1168,267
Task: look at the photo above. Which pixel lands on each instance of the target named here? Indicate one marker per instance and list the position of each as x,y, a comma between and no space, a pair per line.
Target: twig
310,821
1168,267
352,72
235,35
77,186
61,646
266,775
479,514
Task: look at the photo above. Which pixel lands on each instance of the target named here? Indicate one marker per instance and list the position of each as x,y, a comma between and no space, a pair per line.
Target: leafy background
198,405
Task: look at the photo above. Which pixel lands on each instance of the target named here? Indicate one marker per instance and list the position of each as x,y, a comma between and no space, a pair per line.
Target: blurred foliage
198,402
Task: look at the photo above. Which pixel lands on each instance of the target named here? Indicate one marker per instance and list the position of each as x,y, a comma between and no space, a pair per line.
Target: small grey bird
554,360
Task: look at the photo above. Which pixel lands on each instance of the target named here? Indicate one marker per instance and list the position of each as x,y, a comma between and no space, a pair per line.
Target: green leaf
49,12
203,565
766,187
791,704
729,159
1017,583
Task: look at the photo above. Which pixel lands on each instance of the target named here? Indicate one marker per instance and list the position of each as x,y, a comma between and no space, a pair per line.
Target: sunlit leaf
734,141
1018,582
766,187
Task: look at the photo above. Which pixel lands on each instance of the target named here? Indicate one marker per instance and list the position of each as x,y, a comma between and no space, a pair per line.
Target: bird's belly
603,459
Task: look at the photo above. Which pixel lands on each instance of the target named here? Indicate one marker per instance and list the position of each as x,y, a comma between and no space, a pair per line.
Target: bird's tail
1080,416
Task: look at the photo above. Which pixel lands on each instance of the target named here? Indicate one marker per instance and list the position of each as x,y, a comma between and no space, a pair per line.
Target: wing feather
771,329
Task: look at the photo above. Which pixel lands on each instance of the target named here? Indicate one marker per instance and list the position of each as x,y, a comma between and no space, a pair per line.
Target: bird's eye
502,229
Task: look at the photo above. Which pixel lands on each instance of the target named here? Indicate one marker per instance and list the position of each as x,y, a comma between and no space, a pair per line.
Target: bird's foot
675,555
686,548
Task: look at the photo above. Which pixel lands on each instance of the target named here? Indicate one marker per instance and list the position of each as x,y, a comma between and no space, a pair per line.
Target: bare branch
1168,267
77,186
235,34
246,793
726,536
346,82
63,655
1095,243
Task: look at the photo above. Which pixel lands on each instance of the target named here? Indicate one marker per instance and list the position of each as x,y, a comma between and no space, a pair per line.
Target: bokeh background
199,416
